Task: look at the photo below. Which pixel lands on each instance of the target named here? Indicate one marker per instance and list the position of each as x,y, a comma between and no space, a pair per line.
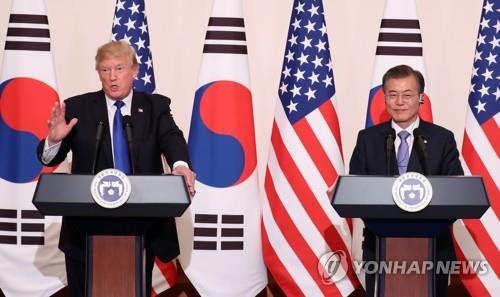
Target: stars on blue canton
485,83
130,24
307,76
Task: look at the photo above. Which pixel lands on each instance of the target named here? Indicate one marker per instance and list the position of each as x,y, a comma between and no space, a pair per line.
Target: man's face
117,75
401,100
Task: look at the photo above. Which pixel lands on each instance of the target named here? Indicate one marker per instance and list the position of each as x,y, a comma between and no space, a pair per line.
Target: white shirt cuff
180,163
49,152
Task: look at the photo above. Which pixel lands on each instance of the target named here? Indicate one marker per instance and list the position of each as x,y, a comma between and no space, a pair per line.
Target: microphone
98,141
420,141
127,125
390,136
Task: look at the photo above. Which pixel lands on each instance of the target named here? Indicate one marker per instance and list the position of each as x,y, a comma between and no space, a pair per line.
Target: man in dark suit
403,89
73,127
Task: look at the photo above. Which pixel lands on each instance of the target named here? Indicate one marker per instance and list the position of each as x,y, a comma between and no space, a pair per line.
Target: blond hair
114,49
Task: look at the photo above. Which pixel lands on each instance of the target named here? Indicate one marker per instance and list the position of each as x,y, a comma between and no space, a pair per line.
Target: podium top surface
151,196
370,197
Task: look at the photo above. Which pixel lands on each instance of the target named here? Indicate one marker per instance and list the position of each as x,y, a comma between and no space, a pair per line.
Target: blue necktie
403,152
120,148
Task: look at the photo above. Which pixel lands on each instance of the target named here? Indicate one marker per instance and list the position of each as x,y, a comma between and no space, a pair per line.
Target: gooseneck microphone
127,125
98,140
390,136
420,141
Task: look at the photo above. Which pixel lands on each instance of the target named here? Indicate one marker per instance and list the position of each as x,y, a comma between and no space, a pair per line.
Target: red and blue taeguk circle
25,105
221,139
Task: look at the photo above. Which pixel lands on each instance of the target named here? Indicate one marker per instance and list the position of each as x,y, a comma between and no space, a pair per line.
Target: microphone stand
421,149
127,125
389,149
98,141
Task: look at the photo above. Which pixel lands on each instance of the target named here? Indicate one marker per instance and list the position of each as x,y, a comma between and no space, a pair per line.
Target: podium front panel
151,196
370,197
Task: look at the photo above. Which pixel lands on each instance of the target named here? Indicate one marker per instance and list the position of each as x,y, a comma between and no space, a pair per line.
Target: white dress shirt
409,129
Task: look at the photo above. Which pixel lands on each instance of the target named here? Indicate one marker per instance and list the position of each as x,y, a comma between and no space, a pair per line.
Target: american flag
300,226
130,24
478,239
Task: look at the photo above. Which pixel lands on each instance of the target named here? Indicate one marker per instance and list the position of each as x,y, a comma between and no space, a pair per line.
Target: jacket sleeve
171,139
450,164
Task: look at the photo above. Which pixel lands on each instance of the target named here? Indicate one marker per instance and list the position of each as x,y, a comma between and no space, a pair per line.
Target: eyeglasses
404,96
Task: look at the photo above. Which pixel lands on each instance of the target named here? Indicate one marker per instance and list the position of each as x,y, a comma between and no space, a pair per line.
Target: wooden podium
115,257
408,236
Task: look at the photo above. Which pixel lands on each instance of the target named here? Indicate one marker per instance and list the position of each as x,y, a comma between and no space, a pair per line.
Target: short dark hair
402,71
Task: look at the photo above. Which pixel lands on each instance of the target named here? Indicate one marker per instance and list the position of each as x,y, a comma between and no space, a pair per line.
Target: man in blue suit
73,127
404,89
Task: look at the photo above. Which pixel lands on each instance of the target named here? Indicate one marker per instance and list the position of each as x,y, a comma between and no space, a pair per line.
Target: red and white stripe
164,276
479,240
299,223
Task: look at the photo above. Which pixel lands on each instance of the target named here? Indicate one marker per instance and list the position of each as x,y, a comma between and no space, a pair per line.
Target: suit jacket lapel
415,163
139,112
100,113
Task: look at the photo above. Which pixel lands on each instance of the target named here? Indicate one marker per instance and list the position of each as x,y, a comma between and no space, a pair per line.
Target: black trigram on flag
399,37
225,36
212,234
23,227
28,32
